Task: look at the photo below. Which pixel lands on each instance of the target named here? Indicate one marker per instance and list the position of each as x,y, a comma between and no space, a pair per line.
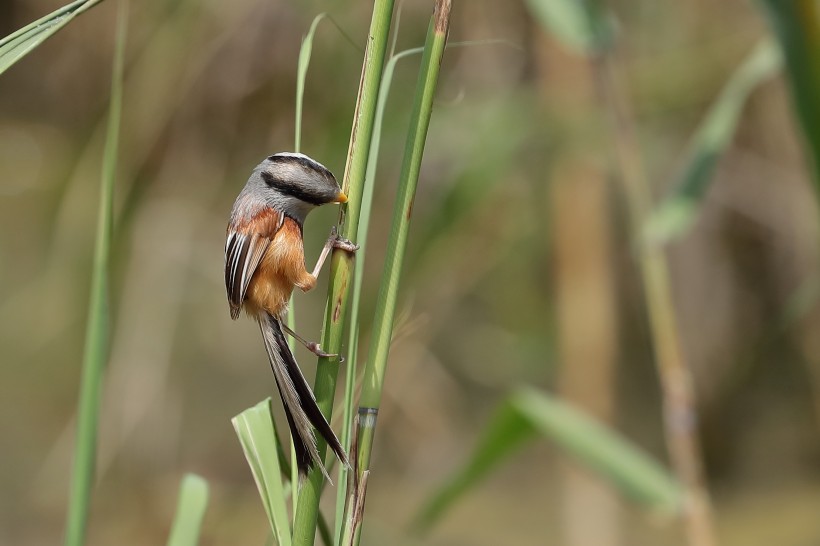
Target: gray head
292,183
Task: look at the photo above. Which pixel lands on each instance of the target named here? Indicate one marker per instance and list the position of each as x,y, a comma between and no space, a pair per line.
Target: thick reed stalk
679,411
341,263
397,243
358,278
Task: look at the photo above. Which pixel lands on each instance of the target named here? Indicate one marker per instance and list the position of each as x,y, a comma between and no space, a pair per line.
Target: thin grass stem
680,413
301,75
96,349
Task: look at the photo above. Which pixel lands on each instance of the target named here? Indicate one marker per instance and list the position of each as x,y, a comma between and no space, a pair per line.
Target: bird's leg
309,281
311,346
334,241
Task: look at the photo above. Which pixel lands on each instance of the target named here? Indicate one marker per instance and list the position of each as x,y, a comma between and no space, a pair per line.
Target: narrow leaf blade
602,449
193,500
15,46
582,26
508,430
301,76
528,413
257,434
797,26
678,212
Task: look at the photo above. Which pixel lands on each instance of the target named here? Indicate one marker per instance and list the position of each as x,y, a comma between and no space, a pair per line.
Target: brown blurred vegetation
519,271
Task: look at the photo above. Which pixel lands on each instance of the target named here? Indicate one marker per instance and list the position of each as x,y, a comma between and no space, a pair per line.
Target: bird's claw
340,242
316,349
345,244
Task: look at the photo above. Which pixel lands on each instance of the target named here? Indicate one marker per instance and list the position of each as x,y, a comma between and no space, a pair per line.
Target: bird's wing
245,246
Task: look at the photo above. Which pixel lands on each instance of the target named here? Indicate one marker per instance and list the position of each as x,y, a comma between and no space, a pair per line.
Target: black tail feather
306,403
302,452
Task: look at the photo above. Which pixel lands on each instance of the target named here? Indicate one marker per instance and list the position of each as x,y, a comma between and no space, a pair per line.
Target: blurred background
520,268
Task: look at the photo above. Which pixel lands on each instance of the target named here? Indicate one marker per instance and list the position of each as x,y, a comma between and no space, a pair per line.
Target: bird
264,262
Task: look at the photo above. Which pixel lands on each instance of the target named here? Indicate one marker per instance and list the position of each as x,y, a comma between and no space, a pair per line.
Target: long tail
300,406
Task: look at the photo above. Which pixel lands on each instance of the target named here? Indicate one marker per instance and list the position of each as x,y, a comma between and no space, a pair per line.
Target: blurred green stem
95,353
397,243
680,414
796,23
342,262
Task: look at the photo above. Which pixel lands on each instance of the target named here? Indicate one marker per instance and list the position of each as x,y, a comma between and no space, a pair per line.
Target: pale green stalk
679,409
341,262
95,353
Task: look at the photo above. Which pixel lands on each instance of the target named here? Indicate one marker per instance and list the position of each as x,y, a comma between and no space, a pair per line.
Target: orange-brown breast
282,266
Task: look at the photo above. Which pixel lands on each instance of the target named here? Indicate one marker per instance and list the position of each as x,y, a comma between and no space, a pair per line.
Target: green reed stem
397,243
358,279
341,263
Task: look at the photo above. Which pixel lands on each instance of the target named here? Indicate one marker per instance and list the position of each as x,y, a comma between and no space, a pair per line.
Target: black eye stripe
291,189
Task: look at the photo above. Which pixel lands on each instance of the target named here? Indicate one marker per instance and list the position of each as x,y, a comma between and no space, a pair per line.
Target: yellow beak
341,198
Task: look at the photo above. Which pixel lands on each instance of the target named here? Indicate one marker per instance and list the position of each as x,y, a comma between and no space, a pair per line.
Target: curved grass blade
677,213
301,76
18,44
505,433
95,353
193,500
582,26
527,414
256,430
797,26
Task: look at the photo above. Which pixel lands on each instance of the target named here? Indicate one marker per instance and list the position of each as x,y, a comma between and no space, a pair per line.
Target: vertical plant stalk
679,411
341,263
397,243
96,348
